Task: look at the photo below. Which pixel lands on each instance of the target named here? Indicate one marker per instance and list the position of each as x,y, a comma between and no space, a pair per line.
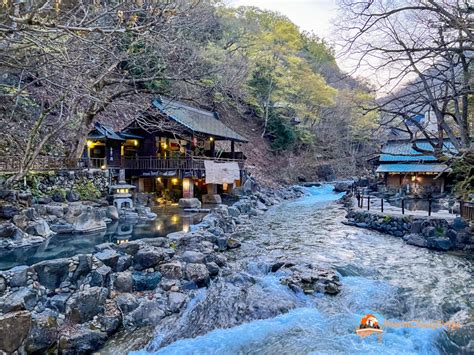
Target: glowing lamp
103,167
135,142
89,144
174,181
174,219
211,139
225,186
413,178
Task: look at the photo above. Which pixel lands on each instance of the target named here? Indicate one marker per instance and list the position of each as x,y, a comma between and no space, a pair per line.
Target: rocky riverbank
427,232
73,305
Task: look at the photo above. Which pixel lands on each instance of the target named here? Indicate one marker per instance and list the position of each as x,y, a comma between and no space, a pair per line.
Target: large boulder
143,281
149,257
84,305
18,276
109,257
194,257
148,313
112,213
211,199
100,276
123,281
189,203
176,301
440,243
22,299
416,239
172,270
8,211
197,273
89,221
126,302
14,328
81,340
52,272
342,187
39,227
7,230
44,332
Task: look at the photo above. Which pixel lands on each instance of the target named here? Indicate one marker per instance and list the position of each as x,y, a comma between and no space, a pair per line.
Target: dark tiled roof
403,151
104,132
413,168
197,120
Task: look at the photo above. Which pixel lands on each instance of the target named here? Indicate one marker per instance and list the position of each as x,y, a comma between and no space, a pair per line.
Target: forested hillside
68,64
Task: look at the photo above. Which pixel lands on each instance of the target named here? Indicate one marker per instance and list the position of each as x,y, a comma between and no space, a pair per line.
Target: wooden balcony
45,163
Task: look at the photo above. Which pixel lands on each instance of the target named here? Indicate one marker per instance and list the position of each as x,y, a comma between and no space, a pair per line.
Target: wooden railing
467,210
45,163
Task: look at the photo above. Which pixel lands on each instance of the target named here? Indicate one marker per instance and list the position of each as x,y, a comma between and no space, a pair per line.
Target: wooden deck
46,163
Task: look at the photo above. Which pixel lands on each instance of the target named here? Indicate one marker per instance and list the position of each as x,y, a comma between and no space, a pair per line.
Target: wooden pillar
232,149
213,148
188,188
211,189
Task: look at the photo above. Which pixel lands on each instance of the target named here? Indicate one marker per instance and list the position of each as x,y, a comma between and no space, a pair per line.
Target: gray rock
14,328
81,340
22,299
233,211
149,312
109,257
8,211
416,239
211,199
39,227
62,228
341,187
189,203
72,196
19,276
124,262
131,248
213,268
198,274
3,285
112,213
123,282
52,272
176,301
58,302
100,276
145,281
172,270
84,305
83,267
55,210
57,196
89,221
440,243
149,257
7,230
126,302
192,256
20,220
44,332
110,324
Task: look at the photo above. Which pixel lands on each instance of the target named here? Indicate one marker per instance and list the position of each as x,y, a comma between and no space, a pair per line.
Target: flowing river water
380,275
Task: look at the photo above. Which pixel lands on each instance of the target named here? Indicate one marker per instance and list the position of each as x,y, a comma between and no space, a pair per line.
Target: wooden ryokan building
174,150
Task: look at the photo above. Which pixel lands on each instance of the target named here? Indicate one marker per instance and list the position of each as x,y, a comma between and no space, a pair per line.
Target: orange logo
369,325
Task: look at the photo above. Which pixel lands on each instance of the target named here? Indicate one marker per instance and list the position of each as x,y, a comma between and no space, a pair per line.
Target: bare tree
420,51
76,60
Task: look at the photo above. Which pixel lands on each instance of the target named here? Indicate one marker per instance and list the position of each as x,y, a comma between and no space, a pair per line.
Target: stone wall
59,186
428,232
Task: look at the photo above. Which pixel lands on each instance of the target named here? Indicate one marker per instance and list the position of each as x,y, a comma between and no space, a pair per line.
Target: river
381,275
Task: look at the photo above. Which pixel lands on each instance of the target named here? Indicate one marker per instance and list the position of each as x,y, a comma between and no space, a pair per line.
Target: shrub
88,191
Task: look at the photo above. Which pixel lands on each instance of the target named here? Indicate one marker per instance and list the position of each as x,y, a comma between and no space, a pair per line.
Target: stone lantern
122,196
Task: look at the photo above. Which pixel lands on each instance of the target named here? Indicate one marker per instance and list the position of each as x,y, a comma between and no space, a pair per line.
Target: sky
309,15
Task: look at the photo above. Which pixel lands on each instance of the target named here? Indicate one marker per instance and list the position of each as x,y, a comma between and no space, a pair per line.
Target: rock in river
14,328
